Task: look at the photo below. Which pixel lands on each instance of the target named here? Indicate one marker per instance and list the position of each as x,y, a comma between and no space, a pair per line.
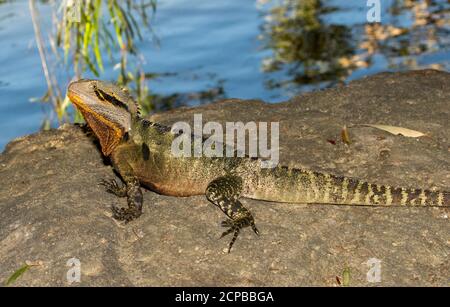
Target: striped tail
285,184
363,193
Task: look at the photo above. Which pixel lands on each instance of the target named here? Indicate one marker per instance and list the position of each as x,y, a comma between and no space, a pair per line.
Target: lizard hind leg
224,192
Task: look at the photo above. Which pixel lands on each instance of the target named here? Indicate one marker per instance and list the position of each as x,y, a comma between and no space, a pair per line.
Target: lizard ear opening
108,134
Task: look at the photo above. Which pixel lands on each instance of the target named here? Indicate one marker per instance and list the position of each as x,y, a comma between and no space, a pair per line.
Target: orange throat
108,133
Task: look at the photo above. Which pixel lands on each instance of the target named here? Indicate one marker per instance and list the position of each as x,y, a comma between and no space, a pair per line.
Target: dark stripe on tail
342,190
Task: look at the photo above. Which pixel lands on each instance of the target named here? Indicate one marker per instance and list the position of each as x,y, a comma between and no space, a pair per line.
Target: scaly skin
140,152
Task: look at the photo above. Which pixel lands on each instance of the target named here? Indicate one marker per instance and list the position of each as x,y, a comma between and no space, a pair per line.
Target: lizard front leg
131,189
113,187
224,192
134,200
133,192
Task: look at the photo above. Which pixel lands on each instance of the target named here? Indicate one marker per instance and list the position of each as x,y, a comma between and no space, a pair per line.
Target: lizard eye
99,94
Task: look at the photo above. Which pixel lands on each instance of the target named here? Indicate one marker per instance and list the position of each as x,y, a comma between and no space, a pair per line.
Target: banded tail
283,184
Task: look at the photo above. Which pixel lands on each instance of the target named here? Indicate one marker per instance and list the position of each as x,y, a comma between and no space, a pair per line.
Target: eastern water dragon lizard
140,151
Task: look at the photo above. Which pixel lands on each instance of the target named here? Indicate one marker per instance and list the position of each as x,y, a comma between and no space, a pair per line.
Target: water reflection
306,48
215,49
154,102
309,47
402,46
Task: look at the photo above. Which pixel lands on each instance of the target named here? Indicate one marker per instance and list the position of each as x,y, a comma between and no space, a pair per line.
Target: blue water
210,44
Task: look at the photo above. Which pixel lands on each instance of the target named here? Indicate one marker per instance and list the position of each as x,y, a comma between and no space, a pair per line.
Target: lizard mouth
83,97
80,92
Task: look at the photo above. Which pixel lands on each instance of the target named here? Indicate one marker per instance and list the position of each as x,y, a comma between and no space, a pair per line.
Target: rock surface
52,209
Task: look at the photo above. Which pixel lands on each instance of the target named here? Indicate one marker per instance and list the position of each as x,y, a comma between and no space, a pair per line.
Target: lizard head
107,108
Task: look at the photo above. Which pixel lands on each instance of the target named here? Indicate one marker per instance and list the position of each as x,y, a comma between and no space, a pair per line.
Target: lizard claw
227,223
253,226
113,187
236,226
125,214
226,232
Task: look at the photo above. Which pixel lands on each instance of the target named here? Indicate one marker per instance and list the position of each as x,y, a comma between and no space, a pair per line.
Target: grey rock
52,209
